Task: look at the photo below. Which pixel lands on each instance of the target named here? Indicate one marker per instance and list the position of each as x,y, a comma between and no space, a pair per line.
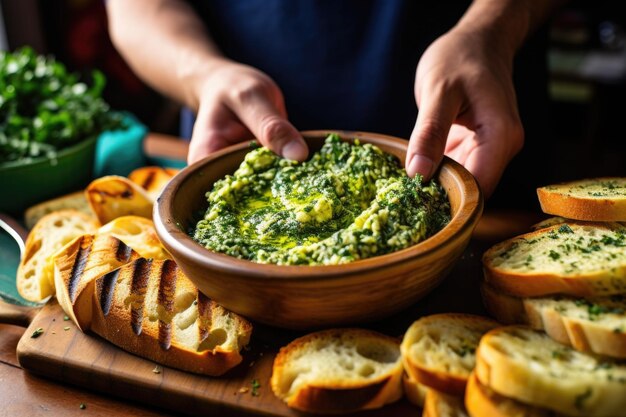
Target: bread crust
481,401
332,395
585,334
571,383
558,200
533,283
438,373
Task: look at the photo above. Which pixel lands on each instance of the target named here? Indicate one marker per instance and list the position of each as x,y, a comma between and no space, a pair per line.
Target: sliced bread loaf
72,201
76,267
138,233
414,391
150,308
152,179
482,401
114,196
438,404
596,199
338,370
439,350
595,325
35,273
576,259
527,365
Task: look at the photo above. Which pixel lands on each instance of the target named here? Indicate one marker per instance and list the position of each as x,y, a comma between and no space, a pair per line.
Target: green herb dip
348,202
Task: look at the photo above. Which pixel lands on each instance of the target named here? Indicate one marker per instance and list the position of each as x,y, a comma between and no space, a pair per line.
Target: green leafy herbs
255,384
44,108
38,332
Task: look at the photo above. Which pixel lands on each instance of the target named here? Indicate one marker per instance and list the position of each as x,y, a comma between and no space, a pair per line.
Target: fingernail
295,150
420,164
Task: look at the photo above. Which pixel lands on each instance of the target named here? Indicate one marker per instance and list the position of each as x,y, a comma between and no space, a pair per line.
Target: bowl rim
466,217
41,160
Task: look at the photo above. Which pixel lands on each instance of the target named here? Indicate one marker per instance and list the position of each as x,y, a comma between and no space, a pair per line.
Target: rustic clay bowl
301,297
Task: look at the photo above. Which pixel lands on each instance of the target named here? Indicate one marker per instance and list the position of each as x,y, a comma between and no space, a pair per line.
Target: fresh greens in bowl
44,108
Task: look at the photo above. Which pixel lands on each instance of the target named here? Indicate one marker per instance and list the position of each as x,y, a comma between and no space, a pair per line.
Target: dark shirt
350,64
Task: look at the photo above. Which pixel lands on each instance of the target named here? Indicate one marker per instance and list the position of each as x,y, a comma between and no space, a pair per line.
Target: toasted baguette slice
73,201
584,260
338,370
414,391
138,233
438,350
482,401
438,404
150,308
35,274
527,365
594,325
549,222
76,267
152,179
596,199
114,196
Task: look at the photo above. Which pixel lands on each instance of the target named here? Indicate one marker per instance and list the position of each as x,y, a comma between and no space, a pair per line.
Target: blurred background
579,134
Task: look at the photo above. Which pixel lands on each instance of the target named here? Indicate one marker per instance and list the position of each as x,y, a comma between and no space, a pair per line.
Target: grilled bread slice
138,233
338,370
150,308
527,365
73,201
584,260
35,274
152,179
414,391
594,325
114,196
76,267
482,401
438,404
595,199
438,350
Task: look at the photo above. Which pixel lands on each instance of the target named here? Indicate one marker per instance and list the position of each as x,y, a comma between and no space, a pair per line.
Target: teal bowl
24,183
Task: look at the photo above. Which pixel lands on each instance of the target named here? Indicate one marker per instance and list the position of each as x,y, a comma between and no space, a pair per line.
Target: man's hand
238,103
467,108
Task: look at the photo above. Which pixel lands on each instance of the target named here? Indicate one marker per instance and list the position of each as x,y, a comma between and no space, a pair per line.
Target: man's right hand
239,103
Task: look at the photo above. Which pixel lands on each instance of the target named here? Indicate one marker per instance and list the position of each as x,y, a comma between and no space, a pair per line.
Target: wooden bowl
304,297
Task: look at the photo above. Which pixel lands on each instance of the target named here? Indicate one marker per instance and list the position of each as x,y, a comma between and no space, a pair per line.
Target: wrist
193,72
502,24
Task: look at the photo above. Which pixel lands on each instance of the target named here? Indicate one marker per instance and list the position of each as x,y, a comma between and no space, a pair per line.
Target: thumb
428,140
268,123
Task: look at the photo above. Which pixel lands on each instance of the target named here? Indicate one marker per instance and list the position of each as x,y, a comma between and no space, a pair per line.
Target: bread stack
99,254
563,287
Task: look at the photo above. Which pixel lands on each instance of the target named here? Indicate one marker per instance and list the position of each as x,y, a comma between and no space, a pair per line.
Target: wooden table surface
23,394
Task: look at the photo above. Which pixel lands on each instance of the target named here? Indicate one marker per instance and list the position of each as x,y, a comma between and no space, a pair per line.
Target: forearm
165,43
510,21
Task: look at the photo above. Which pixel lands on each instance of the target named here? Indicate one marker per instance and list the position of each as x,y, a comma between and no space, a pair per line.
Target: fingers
261,108
437,111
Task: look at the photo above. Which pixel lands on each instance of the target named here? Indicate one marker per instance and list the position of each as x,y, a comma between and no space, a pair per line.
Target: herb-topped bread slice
439,350
596,325
482,401
582,260
527,365
438,404
338,370
597,199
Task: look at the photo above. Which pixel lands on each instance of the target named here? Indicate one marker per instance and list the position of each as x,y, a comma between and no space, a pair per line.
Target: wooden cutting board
63,353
